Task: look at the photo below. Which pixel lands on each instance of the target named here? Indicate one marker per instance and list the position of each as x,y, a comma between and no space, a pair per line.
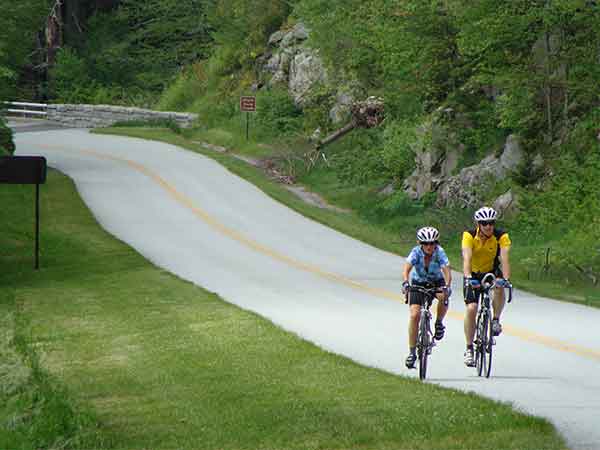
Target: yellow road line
223,229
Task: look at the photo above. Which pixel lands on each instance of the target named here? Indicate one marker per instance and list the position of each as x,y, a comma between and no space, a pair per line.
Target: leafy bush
70,78
398,152
397,204
7,145
189,85
567,209
356,158
154,123
276,114
318,101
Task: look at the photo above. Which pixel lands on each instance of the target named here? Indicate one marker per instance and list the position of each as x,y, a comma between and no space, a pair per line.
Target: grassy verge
129,356
394,233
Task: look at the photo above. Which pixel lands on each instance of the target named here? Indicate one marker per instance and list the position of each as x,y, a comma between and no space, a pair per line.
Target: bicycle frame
425,341
484,339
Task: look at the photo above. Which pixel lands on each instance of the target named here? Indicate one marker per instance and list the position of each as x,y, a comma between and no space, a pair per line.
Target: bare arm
407,268
504,260
447,275
467,254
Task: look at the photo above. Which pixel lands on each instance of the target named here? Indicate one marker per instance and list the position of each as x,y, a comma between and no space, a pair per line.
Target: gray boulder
506,204
436,157
306,69
468,187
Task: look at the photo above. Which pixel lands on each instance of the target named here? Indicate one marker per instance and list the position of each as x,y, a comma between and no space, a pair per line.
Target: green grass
394,234
115,353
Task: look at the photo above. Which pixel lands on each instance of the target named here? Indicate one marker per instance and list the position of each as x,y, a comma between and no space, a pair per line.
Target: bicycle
484,339
425,341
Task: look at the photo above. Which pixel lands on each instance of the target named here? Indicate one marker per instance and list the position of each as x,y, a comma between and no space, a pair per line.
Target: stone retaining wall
91,116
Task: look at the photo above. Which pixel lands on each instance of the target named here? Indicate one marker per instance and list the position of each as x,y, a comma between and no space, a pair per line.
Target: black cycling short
417,298
472,295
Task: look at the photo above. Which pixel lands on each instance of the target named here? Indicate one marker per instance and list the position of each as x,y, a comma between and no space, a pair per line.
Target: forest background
540,58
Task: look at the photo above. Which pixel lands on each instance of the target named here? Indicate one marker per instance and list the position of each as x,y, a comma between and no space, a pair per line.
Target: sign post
26,170
247,105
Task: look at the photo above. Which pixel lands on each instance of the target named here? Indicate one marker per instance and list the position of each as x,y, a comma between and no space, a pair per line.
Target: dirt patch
269,168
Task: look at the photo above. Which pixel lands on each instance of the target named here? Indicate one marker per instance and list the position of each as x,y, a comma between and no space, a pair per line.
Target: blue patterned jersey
420,274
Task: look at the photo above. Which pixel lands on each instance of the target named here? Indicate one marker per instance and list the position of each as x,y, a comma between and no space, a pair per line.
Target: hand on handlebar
501,282
505,283
405,287
472,283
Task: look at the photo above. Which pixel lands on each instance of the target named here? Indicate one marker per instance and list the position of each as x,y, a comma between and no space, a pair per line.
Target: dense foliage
20,23
131,53
7,146
500,67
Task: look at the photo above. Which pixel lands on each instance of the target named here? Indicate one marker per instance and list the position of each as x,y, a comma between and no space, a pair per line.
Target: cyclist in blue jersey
427,265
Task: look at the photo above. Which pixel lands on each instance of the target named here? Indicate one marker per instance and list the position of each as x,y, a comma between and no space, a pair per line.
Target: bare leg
413,323
498,302
470,314
442,308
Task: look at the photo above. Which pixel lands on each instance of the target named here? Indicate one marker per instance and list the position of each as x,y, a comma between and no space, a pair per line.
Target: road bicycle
484,338
425,341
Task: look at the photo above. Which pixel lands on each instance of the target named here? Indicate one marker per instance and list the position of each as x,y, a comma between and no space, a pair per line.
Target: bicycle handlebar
489,281
428,292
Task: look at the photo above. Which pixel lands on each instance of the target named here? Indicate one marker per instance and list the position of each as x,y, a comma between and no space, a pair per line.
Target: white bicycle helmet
485,214
427,234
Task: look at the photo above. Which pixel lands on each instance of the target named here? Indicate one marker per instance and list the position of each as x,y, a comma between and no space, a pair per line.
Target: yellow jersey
485,255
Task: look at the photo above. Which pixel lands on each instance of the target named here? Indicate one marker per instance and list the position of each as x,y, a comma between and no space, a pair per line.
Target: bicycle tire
423,352
481,343
489,346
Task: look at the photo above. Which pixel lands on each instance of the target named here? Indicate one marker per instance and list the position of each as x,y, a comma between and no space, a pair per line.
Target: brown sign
247,104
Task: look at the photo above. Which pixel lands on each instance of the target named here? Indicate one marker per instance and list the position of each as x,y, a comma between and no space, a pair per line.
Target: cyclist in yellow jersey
484,249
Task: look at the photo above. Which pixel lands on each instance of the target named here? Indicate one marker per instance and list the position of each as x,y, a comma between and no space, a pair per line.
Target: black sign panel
23,169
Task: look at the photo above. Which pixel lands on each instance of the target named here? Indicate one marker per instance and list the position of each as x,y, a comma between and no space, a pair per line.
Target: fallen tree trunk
369,113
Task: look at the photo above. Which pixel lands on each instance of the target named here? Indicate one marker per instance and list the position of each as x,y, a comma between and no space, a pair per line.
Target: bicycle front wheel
481,343
423,351
489,346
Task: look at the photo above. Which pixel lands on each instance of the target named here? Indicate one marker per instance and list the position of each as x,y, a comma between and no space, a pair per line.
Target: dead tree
369,113
54,32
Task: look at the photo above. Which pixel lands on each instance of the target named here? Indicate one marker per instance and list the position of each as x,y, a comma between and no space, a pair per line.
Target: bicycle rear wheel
423,343
489,346
481,343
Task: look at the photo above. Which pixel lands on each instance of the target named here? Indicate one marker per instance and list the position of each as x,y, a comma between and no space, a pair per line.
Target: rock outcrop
293,64
468,187
437,153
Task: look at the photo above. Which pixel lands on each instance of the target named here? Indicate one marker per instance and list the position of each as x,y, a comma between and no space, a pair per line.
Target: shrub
7,146
154,123
356,158
276,114
70,79
398,154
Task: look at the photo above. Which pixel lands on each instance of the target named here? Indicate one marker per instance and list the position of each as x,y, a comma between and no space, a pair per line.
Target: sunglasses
428,243
485,223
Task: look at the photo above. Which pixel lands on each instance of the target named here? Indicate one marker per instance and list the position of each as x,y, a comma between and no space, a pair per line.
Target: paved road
189,215
26,124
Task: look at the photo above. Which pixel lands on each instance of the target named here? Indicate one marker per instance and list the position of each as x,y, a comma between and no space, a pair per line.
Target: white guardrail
26,109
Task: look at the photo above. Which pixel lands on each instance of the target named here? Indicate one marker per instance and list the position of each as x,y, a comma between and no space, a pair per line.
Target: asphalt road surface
26,124
189,215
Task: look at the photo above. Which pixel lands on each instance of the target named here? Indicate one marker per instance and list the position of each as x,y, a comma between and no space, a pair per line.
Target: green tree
404,49
7,146
542,55
131,53
20,23
240,28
